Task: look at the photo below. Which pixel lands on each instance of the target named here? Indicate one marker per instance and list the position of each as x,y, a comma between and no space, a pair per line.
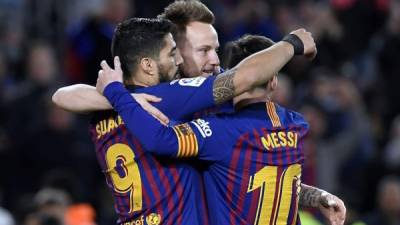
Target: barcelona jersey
255,157
148,189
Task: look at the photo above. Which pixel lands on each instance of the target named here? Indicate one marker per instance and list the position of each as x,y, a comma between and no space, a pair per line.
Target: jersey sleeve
154,136
213,137
191,139
182,98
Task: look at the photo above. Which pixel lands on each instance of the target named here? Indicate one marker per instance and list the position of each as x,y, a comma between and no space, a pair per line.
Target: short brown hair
181,13
236,51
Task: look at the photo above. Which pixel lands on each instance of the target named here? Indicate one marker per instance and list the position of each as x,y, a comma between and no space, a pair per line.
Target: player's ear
149,66
273,83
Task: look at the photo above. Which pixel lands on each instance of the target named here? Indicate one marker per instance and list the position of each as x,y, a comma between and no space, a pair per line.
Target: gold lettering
103,127
282,137
275,140
111,124
120,121
290,139
267,143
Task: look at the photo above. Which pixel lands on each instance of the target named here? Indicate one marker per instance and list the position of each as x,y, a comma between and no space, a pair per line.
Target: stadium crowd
48,169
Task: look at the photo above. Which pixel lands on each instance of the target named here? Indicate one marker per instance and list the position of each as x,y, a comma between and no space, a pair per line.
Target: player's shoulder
178,84
292,117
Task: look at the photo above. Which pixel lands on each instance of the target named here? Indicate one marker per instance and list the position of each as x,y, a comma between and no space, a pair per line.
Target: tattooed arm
330,206
309,196
259,67
251,72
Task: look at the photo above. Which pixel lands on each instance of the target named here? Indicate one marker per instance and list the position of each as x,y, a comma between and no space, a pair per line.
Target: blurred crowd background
349,94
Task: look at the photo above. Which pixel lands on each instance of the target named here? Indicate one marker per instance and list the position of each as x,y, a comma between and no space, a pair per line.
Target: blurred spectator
388,203
339,139
62,149
26,107
12,37
30,95
52,202
89,42
360,20
389,63
253,17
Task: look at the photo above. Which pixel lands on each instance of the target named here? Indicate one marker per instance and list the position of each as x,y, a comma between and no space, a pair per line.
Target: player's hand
107,75
332,208
144,101
310,49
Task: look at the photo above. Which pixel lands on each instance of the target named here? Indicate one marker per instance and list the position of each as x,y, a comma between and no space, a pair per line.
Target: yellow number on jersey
267,179
131,183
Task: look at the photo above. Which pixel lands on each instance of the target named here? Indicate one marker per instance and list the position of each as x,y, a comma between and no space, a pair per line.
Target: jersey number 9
125,174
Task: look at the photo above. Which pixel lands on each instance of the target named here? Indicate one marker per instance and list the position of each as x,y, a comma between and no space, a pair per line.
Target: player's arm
330,205
252,71
154,136
182,140
260,67
80,98
74,98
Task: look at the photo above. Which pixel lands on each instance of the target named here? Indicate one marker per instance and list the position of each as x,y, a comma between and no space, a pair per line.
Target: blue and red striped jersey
149,189
255,157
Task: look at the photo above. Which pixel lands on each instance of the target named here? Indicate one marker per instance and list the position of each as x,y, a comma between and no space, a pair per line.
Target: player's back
256,159
146,189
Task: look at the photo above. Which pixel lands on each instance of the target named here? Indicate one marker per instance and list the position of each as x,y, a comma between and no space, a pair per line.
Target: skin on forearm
309,196
80,98
251,72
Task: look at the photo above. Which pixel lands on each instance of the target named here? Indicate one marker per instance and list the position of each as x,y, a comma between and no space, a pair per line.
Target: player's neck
245,102
141,82
249,98
143,79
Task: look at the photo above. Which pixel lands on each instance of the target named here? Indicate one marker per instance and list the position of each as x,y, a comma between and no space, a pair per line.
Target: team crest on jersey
153,219
203,127
190,82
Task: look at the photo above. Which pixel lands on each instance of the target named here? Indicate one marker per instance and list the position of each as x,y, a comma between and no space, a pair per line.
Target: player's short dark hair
236,51
181,13
137,38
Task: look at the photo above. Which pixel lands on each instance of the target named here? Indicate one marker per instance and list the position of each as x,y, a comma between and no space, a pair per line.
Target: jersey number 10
276,193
